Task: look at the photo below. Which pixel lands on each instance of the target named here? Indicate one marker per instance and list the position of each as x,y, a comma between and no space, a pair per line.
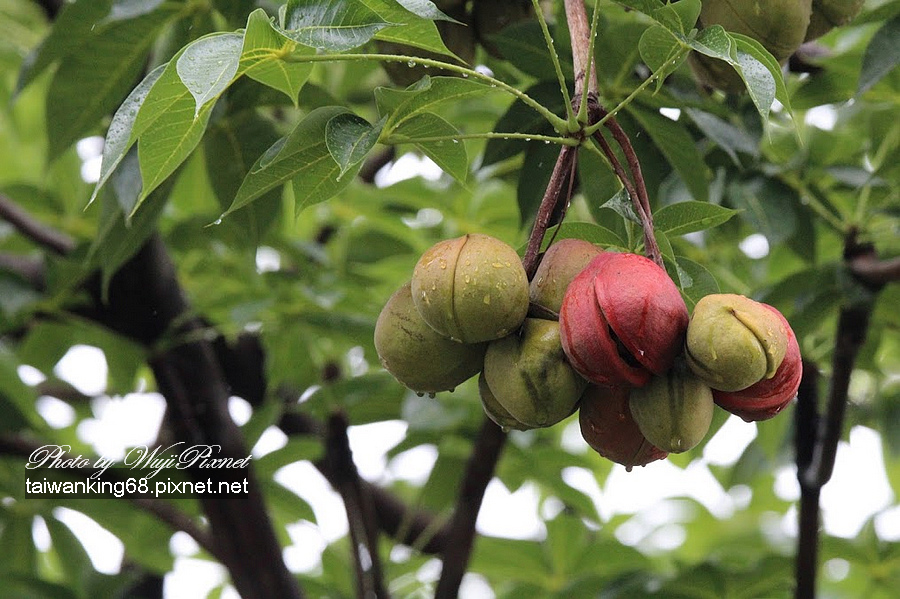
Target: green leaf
648,7
677,145
407,28
349,138
756,66
703,282
450,155
74,24
623,205
533,178
728,137
118,136
208,65
440,90
91,82
301,156
16,398
679,17
166,128
881,57
261,56
332,25
425,9
75,562
661,51
687,217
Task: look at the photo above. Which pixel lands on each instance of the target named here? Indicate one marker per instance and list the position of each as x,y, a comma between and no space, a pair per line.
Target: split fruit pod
609,428
766,398
734,342
622,320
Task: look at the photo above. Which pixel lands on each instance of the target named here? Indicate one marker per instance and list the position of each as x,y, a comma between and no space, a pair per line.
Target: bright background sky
858,489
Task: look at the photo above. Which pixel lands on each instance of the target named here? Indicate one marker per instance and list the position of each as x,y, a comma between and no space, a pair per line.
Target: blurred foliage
310,276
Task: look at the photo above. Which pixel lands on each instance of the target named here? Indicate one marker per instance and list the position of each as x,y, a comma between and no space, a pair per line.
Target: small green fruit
416,354
530,377
471,289
494,410
561,263
673,411
734,342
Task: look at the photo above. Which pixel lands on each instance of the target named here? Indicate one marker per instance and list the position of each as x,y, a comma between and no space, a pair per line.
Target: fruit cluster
781,26
644,373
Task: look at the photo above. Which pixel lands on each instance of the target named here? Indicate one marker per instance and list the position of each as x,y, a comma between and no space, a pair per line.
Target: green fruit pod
471,289
416,354
673,411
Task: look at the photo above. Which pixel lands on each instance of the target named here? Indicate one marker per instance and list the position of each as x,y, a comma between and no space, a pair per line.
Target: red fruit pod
765,399
609,428
622,319
585,336
643,308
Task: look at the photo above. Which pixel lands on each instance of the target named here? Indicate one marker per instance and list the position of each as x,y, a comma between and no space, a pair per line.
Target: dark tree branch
806,424
818,436
580,31
146,303
29,269
51,7
38,232
360,512
874,272
461,537
164,511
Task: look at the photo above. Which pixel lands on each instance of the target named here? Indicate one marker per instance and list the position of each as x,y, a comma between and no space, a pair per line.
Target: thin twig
580,31
360,512
806,424
38,232
552,196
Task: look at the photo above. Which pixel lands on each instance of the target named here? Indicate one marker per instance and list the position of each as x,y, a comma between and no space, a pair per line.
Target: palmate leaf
431,93
261,56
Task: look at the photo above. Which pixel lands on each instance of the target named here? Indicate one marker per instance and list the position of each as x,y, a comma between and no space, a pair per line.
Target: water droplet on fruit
487,299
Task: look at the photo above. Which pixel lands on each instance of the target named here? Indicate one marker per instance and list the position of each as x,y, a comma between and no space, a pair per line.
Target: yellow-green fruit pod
530,376
827,14
471,289
416,354
561,263
494,410
734,342
673,411
779,25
